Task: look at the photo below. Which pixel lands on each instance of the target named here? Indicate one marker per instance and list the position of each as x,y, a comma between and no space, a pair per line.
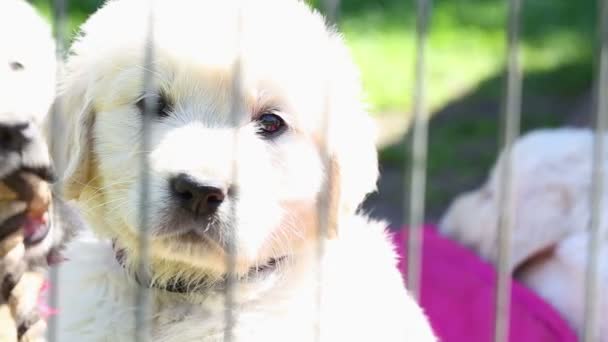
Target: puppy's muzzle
23,148
198,199
25,173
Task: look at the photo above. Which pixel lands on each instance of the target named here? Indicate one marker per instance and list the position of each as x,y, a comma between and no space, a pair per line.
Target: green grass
466,43
77,11
465,77
460,154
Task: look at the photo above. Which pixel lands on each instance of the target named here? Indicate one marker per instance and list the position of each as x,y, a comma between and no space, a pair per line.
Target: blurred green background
465,78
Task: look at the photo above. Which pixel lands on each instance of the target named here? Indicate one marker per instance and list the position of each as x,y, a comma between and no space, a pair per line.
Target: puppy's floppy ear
76,109
351,138
354,162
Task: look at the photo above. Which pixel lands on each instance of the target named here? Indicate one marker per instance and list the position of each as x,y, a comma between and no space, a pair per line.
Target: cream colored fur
287,60
363,298
28,70
27,89
552,181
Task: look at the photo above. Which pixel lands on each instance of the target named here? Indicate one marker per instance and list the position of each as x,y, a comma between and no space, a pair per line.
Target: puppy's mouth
36,229
255,274
25,200
206,284
270,266
178,224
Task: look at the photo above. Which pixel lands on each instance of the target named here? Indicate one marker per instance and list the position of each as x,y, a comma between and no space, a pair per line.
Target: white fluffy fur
363,298
552,182
288,60
27,91
26,38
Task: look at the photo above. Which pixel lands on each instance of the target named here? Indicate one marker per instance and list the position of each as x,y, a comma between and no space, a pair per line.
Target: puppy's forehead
280,46
23,33
27,62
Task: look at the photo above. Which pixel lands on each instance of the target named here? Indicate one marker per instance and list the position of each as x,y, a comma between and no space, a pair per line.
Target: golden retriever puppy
241,91
552,182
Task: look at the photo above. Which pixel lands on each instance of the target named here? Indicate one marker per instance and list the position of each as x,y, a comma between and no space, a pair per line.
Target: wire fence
416,178
596,236
59,23
512,118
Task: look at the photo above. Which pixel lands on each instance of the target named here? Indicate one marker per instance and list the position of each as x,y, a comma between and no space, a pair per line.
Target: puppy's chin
192,257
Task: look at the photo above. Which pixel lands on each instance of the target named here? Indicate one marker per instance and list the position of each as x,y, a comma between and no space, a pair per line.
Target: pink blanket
457,294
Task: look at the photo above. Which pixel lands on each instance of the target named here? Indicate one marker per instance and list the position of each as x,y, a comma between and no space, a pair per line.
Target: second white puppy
552,175
242,91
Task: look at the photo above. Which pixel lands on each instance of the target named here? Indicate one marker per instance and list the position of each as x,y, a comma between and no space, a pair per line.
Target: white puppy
242,90
561,280
33,224
552,182
28,72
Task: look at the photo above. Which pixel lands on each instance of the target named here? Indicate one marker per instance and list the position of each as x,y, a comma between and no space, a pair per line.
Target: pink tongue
33,226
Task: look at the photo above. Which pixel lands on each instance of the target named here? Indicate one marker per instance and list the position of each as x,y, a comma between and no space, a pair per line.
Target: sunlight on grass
463,49
466,44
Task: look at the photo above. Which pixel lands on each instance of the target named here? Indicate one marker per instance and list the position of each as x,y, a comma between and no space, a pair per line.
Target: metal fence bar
324,199
142,300
59,30
331,8
417,182
510,131
596,236
237,108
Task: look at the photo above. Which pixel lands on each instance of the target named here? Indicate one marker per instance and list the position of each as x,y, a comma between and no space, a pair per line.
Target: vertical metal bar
324,199
510,131
142,300
236,110
596,235
417,181
331,8
59,28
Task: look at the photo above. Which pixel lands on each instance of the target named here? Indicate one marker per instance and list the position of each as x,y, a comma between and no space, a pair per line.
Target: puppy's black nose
200,199
14,137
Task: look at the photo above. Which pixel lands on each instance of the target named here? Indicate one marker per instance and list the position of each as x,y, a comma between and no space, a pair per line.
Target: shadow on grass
463,136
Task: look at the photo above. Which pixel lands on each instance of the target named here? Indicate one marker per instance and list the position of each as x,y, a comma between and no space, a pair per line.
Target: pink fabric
44,309
457,294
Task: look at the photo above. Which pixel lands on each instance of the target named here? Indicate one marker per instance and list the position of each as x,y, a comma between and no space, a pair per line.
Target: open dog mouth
269,266
35,229
25,203
207,283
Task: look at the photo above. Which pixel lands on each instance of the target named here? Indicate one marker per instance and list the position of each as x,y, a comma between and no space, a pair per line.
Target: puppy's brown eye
270,125
16,66
155,104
